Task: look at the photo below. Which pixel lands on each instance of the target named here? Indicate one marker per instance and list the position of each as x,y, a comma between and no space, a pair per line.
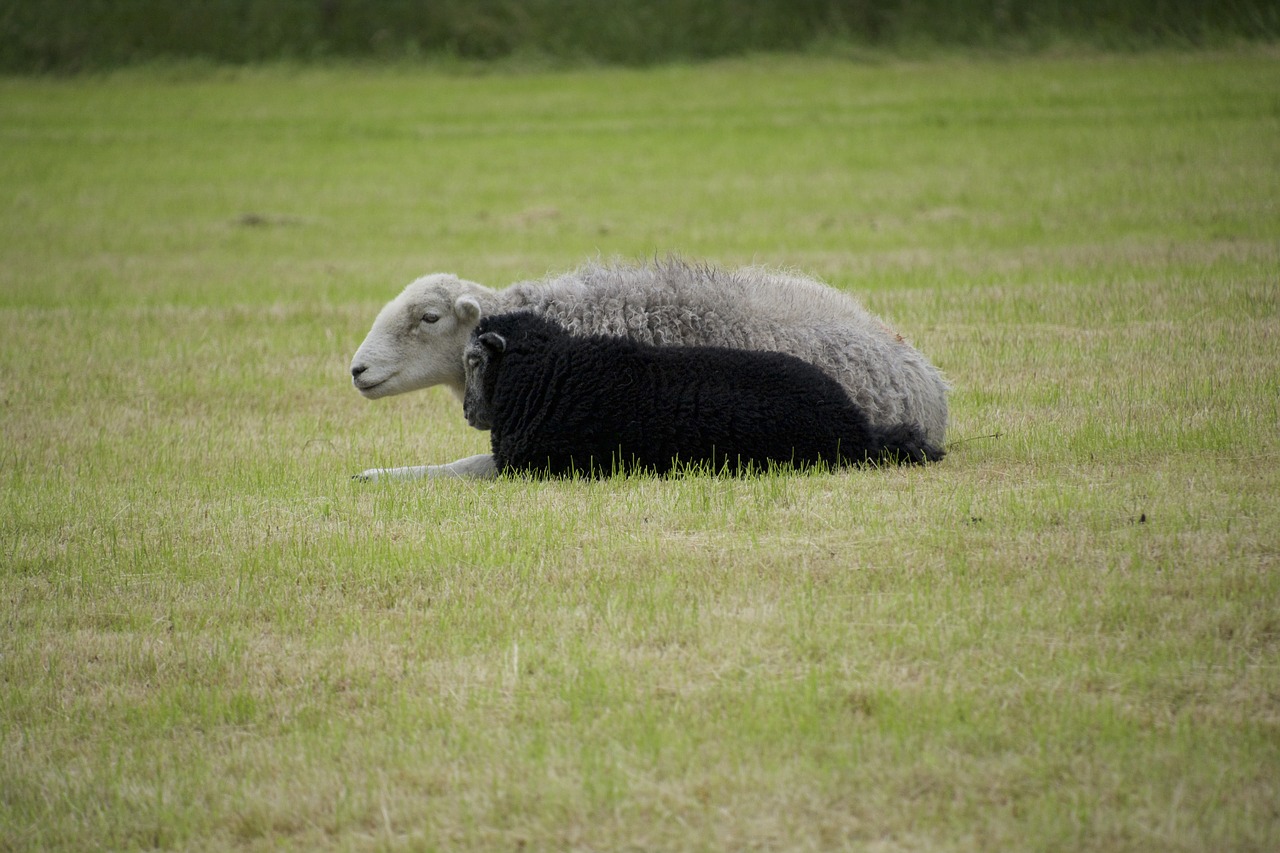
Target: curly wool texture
673,302
561,404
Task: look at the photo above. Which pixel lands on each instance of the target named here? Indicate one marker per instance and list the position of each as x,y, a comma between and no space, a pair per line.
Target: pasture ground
1065,636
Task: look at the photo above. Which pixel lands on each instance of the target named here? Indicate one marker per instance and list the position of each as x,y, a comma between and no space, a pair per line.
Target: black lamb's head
492,340
481,360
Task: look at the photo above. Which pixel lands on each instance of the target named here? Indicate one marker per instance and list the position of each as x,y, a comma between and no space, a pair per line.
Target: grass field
1065,636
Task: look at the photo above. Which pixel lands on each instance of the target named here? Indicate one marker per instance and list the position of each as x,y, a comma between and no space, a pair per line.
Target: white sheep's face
482,360
417,339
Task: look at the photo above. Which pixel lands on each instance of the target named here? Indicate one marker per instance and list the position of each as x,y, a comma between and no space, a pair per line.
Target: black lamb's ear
493,341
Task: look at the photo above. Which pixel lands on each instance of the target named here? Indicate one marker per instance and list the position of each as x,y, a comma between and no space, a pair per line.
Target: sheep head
482,359
417,340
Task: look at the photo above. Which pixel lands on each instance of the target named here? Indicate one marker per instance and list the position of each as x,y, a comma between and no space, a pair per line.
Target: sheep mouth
369,388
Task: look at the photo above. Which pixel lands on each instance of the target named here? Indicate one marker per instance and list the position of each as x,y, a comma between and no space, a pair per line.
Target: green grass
1065,636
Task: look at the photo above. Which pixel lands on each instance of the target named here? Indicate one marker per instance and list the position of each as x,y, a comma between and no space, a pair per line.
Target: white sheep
417,340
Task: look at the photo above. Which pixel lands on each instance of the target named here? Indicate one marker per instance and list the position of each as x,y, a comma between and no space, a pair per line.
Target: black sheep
560,404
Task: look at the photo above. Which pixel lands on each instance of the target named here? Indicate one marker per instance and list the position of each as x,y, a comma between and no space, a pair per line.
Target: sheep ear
493,341
467,308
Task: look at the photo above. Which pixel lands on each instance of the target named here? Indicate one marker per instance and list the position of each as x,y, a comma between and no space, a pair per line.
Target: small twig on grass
958,441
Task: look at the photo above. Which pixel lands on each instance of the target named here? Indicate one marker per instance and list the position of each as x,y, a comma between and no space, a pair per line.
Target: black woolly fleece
560,404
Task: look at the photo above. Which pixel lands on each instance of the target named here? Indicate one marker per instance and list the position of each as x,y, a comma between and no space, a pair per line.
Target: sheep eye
430,317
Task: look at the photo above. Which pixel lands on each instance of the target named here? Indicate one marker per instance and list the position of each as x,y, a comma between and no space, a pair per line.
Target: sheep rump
558,404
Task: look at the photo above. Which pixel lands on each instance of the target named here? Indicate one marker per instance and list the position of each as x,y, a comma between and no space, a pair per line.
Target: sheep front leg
478,467
411,472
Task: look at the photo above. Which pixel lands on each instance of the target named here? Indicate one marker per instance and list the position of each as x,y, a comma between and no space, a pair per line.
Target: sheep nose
357,369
